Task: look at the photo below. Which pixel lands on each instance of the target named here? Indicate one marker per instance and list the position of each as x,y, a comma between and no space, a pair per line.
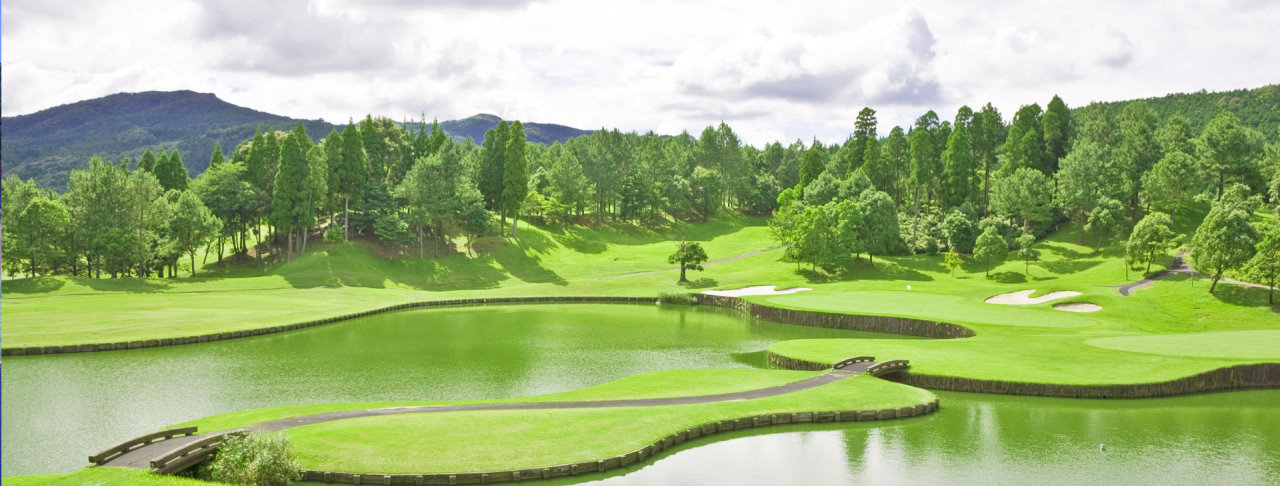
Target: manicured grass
1023,343
342,279
104,476
502,440
656,384
1227,344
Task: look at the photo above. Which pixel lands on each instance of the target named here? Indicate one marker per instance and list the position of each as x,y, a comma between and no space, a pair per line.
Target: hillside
48,144
1258,108
475,126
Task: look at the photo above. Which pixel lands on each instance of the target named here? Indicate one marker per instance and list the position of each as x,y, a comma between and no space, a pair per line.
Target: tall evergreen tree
289,196
958,175
515,174
1055,127
217,158
148,161
1137,150
352,175
489,178
986,134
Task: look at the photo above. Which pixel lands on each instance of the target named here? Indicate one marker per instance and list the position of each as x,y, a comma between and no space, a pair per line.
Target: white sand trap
758,290
1024,297
1078,307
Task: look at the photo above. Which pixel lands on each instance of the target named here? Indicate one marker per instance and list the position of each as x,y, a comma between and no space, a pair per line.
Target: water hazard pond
58,409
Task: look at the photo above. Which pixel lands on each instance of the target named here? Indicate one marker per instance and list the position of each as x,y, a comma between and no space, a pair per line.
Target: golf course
1171,330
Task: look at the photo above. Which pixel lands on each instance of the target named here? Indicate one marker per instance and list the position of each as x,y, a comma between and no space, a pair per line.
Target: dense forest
972,184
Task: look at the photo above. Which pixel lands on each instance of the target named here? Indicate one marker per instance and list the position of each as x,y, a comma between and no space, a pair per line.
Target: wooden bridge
164,452
174,450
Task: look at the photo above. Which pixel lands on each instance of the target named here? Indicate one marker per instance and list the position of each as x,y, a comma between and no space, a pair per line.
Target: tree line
938,185
979,186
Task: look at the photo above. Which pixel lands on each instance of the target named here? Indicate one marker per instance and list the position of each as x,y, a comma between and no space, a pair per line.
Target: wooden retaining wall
855,322
152,343
1262,375
621,460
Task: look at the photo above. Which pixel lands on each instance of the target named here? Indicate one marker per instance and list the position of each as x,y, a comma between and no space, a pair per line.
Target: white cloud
772,70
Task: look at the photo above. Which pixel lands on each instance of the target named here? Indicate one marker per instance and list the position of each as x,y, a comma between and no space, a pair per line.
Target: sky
772,70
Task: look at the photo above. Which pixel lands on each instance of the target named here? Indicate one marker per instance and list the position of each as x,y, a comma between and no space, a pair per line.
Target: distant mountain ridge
48,144
475,126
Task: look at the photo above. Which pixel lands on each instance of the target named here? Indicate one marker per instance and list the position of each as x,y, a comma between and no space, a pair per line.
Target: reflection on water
59,409
1223,438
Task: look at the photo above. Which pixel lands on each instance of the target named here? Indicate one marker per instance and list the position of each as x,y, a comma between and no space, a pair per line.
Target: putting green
1255,344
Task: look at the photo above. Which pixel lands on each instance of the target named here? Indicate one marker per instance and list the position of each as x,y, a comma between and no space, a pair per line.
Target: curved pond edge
222,336
1238,377
627,459
886,324
853,322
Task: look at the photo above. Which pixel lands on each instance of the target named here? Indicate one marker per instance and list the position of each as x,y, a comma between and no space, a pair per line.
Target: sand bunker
1024,297
758,290
1078,307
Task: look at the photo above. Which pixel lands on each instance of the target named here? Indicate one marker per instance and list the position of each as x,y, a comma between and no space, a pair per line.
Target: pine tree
515,174
217,158
352,175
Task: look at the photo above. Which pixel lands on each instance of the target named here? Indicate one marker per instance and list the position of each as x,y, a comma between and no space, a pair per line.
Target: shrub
333,234
255,459
677,298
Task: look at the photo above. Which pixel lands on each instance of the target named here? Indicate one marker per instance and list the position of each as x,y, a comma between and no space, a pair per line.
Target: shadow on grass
1009,277
1239,295
129,284
702,283
518,260
575,241
37,285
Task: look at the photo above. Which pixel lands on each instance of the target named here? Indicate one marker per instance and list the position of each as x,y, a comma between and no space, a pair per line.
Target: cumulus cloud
769,69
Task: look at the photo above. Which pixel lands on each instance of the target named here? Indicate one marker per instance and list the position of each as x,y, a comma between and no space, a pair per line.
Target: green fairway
1228,344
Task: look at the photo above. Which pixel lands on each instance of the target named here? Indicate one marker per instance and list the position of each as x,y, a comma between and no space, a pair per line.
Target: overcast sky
772,70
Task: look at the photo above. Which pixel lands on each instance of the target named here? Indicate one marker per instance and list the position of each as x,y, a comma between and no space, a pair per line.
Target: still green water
60,408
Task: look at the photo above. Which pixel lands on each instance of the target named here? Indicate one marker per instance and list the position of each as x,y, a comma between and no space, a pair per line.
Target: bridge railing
191,454
128,445
848,361
892,366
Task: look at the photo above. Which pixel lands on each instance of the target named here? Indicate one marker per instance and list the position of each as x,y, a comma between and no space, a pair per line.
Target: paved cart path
142,456
1178,266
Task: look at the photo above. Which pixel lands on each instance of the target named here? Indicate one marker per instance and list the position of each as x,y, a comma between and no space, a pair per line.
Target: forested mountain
47,145
474,127
1258,108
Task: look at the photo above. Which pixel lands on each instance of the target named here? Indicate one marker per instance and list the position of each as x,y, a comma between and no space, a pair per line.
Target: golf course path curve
141,457
1178,266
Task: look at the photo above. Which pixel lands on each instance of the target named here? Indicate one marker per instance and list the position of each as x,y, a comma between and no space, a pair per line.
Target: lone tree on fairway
990,247
1264,268
690,257
1225,240
1151,238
